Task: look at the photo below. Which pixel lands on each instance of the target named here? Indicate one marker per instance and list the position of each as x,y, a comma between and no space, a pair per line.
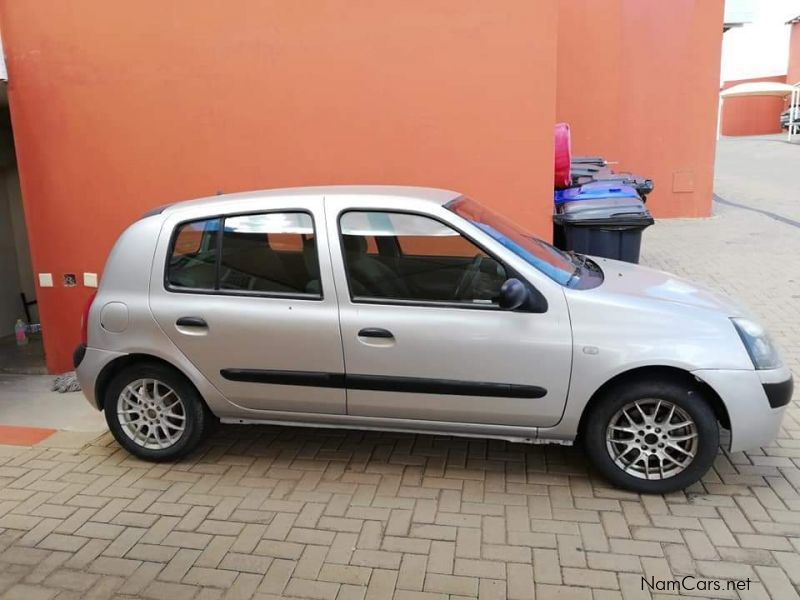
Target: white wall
759,48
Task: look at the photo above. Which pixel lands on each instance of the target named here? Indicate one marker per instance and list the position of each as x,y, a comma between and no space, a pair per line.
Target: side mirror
513,294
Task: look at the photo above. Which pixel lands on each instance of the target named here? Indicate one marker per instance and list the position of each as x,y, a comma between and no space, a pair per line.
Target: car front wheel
652,437
154,412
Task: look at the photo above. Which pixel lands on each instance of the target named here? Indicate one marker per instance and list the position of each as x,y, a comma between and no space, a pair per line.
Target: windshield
557,265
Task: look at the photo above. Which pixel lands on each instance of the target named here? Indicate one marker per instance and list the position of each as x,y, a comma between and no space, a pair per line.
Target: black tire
690,400
197,416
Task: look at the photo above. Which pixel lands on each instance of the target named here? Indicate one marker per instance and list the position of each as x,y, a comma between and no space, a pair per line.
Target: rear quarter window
193,255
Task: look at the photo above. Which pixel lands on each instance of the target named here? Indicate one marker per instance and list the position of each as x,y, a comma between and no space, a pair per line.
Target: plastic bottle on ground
20,331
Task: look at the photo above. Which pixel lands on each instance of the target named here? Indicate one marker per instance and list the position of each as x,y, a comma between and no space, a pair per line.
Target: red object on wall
563,156
752,115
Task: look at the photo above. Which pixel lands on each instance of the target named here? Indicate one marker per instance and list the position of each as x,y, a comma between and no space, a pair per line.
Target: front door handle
191,322
375,332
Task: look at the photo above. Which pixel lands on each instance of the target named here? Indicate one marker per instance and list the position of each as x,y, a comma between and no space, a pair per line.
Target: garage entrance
17,290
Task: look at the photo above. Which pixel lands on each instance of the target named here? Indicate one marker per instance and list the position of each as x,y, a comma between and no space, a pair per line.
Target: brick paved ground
330,514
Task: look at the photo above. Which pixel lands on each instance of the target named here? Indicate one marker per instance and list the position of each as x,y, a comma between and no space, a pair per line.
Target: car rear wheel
154,412
652,437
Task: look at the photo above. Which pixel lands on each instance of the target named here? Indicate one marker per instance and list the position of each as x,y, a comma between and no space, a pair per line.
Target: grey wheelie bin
611,228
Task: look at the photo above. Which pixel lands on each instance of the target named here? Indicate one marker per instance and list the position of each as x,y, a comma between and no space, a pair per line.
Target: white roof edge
757,88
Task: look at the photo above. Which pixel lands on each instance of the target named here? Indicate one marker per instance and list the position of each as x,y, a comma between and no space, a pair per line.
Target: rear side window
262,254
273,252
193,259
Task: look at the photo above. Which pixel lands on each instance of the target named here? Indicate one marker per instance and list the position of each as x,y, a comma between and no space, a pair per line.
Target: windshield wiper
580,261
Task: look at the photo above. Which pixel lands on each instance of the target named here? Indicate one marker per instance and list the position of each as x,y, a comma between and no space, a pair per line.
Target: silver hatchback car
417,310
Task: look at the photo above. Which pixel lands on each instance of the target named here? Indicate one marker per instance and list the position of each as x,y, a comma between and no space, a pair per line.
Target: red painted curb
23,436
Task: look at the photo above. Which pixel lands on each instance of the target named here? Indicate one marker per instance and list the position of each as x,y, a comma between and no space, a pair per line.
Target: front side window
399,256
268,253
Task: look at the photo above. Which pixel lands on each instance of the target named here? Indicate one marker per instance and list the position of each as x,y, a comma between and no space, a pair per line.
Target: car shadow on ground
281,457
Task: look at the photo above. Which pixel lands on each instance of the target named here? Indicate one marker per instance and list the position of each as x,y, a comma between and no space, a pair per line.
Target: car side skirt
524,435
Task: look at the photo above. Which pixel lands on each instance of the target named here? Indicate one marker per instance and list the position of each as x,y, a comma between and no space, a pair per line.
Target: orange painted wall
752,115
793,72
119,107
638,82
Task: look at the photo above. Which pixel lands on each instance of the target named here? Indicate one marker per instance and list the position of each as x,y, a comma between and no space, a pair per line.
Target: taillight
85,320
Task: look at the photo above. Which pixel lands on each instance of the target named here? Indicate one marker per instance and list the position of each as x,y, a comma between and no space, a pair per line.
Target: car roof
434,195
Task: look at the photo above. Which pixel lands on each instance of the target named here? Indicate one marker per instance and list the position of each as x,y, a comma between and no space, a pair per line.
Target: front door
422,334
249,299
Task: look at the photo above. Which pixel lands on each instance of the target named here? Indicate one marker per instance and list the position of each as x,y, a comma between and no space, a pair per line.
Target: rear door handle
375,332
191,322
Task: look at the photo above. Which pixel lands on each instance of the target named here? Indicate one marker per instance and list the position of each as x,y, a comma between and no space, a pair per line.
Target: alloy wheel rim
151,414
652,439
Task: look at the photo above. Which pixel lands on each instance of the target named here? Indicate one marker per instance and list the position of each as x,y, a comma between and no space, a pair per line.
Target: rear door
249,299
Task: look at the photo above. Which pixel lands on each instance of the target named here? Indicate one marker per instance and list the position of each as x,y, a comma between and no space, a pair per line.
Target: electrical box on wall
90,280
683,182
45,280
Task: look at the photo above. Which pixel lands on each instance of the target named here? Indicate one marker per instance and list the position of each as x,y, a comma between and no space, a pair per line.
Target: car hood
640,282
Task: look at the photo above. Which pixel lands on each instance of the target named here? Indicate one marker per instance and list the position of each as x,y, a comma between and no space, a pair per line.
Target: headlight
757,343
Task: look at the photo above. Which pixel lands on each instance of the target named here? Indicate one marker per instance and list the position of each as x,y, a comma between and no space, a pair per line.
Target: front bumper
755,417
